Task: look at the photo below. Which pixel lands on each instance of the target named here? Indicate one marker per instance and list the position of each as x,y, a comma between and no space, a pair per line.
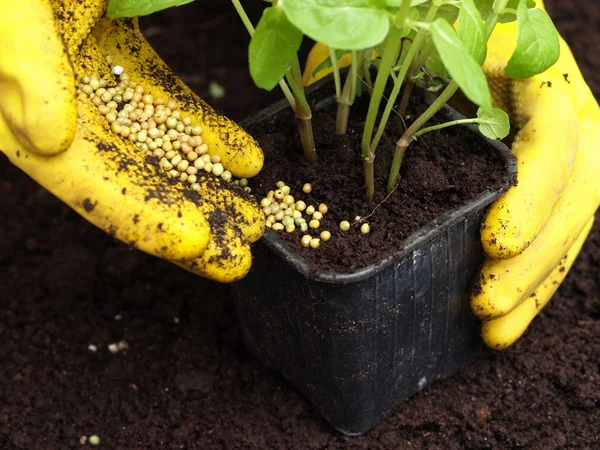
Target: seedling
414,41
414,38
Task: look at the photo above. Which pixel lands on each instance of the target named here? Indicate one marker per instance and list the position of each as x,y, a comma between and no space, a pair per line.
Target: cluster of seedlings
283,212
156,127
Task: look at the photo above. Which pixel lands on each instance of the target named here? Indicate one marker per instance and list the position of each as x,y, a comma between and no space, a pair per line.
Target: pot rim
417,239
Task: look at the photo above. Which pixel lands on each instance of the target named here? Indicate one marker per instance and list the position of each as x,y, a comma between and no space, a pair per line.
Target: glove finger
121,39
532,105
514,221
504,284
503,332
38,90
112,185
227,257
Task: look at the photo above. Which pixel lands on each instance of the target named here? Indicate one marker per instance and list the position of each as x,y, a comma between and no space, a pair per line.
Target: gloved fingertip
226,259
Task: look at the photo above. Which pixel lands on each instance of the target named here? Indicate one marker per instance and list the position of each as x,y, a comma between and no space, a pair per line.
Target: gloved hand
534,232
59,138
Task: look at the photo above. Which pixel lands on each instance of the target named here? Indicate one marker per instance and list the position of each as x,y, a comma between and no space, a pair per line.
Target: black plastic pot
356,344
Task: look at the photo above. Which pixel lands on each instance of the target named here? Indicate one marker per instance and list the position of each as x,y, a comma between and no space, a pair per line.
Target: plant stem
422,131
336,72
390,54
288,94
414,69
498,8
409,134
366,65
296,98
246,20
412,52
413,131
307,139
369,168
354,70
303,111
405,96
346,100
341,119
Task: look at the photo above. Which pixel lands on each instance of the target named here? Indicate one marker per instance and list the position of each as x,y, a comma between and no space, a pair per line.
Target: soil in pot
441,171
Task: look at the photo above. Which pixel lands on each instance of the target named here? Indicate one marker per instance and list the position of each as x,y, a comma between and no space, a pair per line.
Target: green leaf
406,23
485,9
134,8
447,12
347,24
272,48
471,30
326,64
460,64
435,64
493,123
538,47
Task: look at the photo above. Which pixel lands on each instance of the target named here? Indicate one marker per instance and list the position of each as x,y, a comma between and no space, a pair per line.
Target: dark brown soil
441,171
186,381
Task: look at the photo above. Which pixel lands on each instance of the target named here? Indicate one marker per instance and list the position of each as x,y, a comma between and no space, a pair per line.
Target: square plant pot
357,344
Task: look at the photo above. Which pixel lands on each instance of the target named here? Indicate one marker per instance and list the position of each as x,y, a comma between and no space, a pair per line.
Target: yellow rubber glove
533,233
59,138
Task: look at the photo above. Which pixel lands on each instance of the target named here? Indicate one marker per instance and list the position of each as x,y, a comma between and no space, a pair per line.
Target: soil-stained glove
533,233
59,138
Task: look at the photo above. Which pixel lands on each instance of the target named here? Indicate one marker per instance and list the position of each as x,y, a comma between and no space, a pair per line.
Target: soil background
186,381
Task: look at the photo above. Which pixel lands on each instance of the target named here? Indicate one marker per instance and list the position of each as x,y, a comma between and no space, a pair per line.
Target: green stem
490,23
412,52
414,69
307,139
413,130
297,73
366,66
336,72
354,70
248,24
341,119
346,100
498,9
422,131
303,112
408,135
406,92
288,94
390,54
499,5
245,19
